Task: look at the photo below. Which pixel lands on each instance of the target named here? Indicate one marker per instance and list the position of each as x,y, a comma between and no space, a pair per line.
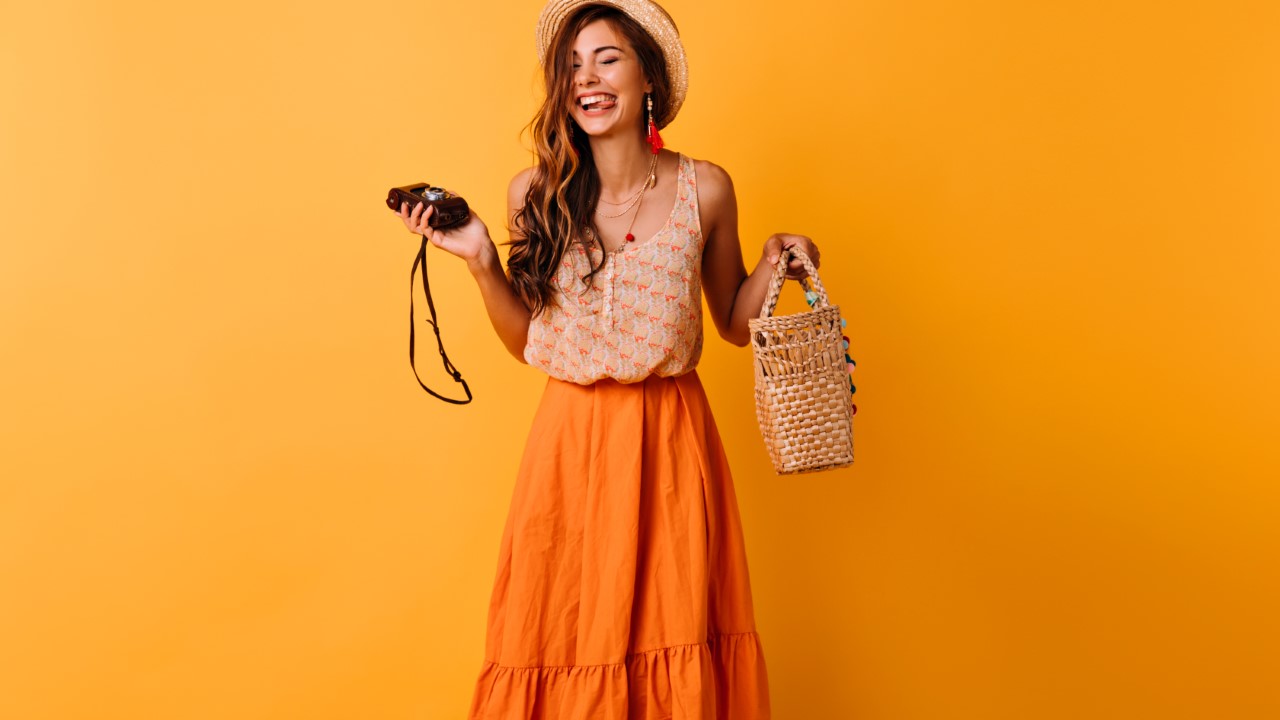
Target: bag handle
448,366
779,275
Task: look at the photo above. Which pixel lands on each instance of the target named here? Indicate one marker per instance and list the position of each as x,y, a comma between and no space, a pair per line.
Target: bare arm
507,312
733,296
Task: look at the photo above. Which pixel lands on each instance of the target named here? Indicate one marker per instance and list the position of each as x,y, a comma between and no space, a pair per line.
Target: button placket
608,290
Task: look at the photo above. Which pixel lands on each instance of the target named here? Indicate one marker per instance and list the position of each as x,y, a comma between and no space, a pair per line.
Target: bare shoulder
515,199
518,187
716,200
713,180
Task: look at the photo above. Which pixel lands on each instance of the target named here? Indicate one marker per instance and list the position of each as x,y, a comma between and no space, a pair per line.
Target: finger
773,249
424,222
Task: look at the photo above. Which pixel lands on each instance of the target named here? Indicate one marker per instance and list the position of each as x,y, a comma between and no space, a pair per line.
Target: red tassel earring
652,137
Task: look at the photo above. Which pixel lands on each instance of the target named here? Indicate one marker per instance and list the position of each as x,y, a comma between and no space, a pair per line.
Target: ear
648,85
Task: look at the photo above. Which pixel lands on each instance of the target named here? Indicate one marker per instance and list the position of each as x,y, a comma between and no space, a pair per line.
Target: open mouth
598,103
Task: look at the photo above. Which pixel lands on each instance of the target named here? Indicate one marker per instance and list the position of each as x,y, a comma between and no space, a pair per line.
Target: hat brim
651,17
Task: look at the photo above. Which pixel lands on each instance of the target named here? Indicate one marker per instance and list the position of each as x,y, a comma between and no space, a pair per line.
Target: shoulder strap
448,366
688,178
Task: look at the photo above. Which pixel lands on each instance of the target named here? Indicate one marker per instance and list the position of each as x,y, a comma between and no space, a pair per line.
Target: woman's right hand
469,241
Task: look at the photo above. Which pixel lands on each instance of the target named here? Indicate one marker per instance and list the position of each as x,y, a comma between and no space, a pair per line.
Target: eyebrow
602,49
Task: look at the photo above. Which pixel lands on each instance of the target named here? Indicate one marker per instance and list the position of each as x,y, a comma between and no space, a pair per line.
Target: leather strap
448,366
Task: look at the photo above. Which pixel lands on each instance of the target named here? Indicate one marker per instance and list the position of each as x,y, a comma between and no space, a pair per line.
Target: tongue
602,105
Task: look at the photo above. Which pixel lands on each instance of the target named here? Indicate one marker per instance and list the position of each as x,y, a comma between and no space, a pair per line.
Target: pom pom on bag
803,388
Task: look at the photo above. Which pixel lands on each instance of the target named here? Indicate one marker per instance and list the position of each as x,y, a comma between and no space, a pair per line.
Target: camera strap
444,357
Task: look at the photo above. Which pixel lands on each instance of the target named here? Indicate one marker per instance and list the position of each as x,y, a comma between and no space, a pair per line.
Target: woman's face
607,75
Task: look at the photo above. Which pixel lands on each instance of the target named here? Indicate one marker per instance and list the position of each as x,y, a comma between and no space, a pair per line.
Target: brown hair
561,200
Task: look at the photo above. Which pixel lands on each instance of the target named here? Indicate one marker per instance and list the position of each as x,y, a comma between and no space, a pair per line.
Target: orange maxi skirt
622,590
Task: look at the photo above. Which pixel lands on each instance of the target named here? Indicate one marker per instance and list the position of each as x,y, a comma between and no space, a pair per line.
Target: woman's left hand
776,243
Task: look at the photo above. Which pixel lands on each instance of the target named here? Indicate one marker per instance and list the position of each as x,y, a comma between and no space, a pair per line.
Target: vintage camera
451,210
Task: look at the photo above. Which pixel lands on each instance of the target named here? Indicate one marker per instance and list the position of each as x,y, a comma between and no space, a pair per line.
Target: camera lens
434,193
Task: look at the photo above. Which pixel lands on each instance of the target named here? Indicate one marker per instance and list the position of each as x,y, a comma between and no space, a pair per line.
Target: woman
622,588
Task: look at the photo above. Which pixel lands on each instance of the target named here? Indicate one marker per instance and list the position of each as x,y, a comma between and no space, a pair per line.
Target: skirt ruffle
722,678
622,590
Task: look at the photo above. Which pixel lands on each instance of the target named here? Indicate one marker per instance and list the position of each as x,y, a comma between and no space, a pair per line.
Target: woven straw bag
803,388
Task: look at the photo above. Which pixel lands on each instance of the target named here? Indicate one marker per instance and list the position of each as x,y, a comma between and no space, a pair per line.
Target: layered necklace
635,200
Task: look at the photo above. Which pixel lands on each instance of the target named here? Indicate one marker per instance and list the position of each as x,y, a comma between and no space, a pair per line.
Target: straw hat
651,17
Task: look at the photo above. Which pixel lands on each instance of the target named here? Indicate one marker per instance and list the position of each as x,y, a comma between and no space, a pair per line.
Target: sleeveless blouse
642,314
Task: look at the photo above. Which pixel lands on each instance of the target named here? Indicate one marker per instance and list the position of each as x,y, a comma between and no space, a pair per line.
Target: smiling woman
607,78
622,588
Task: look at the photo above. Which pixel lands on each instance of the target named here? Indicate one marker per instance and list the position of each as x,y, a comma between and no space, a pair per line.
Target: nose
584,75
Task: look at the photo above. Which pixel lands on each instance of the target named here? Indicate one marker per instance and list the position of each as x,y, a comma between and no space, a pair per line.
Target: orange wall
1053,228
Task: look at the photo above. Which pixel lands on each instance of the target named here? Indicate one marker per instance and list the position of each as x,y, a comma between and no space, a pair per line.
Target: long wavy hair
561,200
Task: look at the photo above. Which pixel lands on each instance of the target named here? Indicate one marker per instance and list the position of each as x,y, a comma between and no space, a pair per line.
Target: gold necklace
629,236
624,202
635,199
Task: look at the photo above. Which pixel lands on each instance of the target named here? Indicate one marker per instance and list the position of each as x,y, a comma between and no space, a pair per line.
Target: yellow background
1052,226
